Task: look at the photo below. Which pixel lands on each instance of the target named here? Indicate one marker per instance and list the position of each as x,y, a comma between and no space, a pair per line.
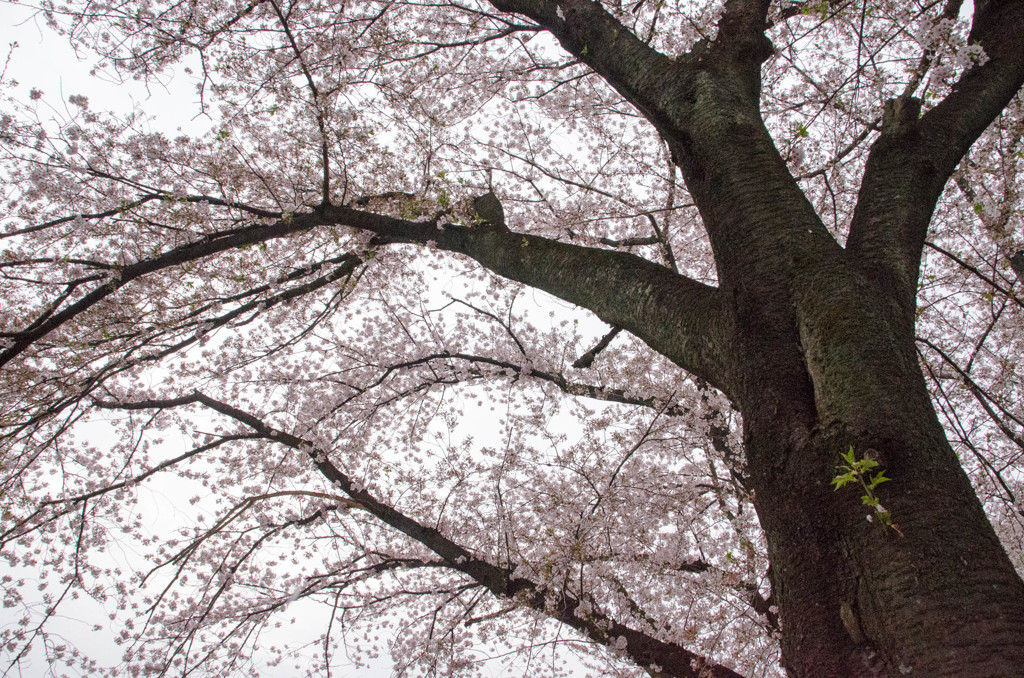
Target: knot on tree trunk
900,115
487,209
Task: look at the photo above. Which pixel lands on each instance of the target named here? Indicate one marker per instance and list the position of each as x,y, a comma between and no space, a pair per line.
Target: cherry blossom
279,378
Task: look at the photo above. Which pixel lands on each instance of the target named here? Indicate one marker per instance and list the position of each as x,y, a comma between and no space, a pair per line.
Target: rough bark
935,596
813,342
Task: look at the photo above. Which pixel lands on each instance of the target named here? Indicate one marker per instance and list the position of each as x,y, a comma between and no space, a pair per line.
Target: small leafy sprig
861,471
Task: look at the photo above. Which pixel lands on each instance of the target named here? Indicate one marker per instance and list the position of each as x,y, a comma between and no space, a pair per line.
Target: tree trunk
812,340
823,360
933,595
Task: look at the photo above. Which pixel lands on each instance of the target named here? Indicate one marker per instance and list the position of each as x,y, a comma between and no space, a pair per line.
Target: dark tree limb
912,159
631,242
679,317
581,613
647,78
1017,263
741,34
587,359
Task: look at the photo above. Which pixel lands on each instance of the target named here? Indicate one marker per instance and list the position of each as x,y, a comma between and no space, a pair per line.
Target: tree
798,224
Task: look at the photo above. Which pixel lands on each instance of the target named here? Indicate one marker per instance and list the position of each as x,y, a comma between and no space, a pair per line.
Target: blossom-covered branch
507,582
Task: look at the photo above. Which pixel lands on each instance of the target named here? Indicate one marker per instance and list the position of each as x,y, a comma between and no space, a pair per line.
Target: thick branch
706,106
650,80
675,315
913,158
586,30
741,34
578,613
587,359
